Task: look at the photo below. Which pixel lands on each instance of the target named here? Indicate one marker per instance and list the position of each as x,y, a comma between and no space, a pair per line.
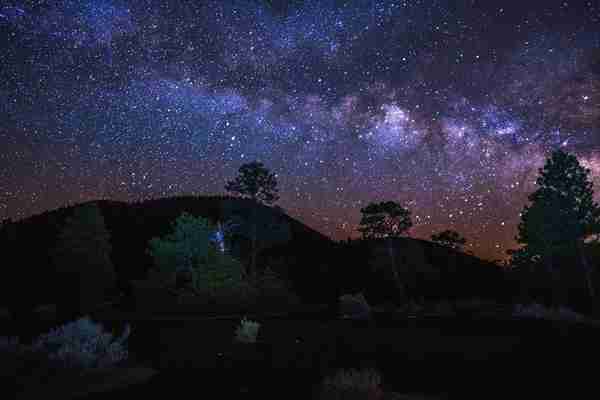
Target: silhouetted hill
427,270
32,276
319,268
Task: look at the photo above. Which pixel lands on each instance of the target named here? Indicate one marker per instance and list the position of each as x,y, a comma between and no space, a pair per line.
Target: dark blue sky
448,109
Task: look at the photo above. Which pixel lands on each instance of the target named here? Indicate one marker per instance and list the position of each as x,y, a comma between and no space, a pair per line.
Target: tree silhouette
561,214
384,219
259,184
388,220
256,182
82,256
449,238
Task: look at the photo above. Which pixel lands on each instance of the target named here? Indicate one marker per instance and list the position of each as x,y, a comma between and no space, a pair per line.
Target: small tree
82,255
259,184
191,250
387,220
561,214
449,238
263,226
256,182
187,246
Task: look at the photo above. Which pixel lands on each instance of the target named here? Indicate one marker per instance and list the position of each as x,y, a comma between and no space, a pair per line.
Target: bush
221,274
247,331
187,246
62,356
189,261
189,256
83,345
352,385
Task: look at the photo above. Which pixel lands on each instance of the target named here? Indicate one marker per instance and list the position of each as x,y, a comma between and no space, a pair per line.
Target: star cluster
447,108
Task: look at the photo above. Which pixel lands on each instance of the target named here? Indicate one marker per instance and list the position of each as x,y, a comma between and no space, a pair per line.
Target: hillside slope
319,268
426,270
32,277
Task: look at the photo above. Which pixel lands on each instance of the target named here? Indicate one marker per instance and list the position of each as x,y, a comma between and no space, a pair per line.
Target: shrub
190,252
63,354
187,246
352,385
247,331
222,273
83,345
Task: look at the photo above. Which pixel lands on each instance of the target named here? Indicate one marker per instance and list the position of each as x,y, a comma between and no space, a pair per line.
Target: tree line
552,232
554,226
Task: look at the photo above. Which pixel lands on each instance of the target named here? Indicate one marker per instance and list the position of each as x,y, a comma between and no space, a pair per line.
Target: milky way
448,109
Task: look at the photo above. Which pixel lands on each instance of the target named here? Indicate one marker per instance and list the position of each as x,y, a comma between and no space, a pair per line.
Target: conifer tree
561,214
388,220
449,238
82,257
256,182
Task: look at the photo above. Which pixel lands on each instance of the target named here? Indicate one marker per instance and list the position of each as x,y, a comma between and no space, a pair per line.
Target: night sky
447,108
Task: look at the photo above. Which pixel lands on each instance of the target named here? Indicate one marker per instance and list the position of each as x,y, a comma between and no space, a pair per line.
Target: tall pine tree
256,182
387,220
561,214
82,257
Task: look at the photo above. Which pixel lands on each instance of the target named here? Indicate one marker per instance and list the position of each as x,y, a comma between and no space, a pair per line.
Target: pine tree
259,184
82,256
561,214
388,220
385,219
449,238
262,226
256,182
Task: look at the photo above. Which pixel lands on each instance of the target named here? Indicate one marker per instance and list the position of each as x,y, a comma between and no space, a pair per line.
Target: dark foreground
455,358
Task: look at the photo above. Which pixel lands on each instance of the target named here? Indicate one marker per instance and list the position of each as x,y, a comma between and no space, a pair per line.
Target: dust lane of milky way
447,108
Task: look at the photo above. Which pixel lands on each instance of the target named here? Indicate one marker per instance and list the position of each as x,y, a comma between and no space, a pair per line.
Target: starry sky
448,107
